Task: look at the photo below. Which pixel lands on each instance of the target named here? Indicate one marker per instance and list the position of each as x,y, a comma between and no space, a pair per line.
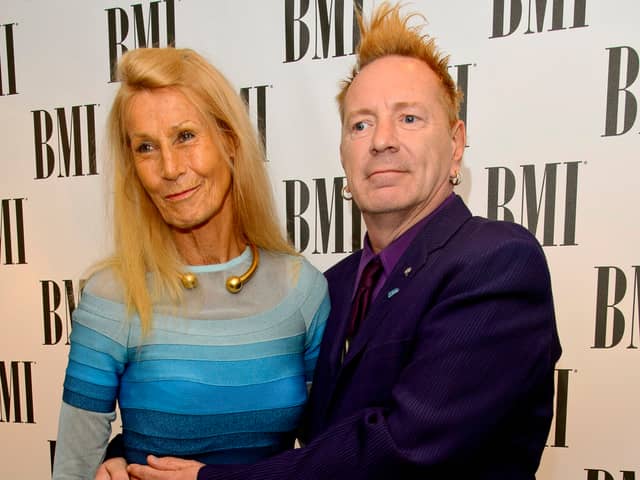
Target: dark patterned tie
362,298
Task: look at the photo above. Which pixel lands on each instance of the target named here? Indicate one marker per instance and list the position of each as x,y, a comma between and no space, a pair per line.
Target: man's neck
384,228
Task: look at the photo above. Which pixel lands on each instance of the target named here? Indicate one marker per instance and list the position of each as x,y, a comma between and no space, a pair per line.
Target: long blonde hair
388,33
143,244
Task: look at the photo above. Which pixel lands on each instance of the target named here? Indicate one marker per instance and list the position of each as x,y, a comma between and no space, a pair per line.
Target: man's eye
359,126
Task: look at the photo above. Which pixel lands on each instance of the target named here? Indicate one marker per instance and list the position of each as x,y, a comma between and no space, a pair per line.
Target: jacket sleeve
482,349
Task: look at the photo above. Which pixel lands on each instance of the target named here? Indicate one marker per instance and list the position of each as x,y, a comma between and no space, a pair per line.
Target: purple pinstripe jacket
451,374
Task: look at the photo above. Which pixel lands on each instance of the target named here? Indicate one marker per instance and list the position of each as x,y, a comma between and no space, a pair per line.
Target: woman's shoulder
104,283
300,273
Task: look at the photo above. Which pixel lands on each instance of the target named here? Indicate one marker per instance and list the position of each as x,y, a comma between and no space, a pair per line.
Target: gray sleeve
81,444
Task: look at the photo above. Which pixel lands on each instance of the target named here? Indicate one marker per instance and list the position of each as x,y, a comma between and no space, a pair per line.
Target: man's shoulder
344,266
480,230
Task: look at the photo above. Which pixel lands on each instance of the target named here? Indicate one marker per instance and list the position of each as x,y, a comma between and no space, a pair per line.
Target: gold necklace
234,283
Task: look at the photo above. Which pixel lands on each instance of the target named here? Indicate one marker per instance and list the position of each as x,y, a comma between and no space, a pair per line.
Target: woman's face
178,158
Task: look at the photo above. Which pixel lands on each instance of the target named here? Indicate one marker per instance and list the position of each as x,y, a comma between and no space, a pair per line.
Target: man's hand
113,469
166,468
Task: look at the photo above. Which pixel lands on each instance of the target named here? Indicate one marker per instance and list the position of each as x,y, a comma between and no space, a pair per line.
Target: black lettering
540,12
560,414
603,306
261,110
595,475
10,62
329,16
40,139
292,213
54,325
499,14
116,40
145,36
616,89
635,309
493,204
65,141
571,204
12,384
533,205
462,82
12,231
52,453
290,21
325,214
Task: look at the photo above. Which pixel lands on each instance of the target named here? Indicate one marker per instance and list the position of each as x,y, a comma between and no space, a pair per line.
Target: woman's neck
217,241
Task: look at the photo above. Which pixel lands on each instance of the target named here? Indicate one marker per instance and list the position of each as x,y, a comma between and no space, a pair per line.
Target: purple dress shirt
391,254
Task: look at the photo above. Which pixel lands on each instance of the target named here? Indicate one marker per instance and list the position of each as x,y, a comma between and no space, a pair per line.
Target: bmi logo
622,104
140,27
256,100
58,304
7,60
532,200
16,382
617,307
12,249
324,27
508,16
306,220
71,145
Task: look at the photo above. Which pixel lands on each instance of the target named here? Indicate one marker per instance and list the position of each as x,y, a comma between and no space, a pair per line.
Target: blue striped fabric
220,391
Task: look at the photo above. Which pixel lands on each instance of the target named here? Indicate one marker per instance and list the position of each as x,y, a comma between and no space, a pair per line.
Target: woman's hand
166,468
113,469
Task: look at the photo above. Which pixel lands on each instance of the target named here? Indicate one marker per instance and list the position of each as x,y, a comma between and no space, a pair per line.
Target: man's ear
458,142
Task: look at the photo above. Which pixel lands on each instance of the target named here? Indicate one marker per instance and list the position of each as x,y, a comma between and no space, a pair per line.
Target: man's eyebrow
399,105
360,111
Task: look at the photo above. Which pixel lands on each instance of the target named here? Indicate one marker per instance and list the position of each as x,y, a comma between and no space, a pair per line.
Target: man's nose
384,136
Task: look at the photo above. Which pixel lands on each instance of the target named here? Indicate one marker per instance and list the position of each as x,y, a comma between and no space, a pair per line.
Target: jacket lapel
433,236
341,296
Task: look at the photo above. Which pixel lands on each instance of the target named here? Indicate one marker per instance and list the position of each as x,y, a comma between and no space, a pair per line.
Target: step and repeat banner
551,105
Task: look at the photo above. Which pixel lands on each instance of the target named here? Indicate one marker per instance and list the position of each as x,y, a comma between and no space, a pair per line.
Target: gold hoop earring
346,193
456,179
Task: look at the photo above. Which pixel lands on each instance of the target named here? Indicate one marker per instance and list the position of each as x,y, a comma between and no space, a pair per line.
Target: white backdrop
552,89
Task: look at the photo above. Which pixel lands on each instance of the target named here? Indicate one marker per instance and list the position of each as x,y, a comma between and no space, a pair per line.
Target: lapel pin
407,271
392,292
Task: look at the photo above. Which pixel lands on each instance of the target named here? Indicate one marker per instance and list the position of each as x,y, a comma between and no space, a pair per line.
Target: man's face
398,148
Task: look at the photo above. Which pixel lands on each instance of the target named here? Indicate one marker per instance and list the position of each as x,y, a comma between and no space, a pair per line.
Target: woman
204,325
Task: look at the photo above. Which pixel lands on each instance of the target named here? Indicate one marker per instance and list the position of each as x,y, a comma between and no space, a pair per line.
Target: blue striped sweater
221,379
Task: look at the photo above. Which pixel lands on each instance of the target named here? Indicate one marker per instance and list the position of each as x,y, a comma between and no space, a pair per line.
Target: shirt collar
391,254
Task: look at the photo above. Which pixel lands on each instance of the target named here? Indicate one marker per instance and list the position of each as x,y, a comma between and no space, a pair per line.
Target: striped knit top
222,379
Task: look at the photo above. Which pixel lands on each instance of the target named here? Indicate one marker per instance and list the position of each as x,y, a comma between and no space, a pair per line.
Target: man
450,371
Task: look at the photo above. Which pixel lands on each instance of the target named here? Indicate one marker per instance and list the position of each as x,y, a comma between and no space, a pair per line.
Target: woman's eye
144,148
186,135
410,119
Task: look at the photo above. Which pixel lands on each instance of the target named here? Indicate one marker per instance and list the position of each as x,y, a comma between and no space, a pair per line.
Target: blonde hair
143,244
388,33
